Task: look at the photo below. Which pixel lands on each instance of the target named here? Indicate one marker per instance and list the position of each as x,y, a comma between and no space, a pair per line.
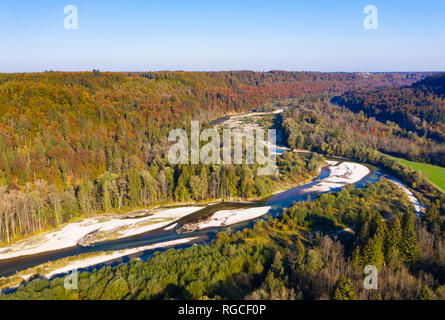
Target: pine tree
395,233
363,229
277,265
204,182
432,215
105,190
233,182
181,191
247,183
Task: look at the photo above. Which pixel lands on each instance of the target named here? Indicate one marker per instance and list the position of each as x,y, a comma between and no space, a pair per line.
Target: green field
435,174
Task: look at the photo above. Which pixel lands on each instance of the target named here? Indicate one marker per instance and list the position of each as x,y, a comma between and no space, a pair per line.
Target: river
277,203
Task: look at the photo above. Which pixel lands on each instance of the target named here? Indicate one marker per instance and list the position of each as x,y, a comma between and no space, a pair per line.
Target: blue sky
200,35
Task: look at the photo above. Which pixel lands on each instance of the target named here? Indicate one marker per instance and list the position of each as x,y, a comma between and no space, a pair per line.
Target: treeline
419,108
75,143
331,213
284,258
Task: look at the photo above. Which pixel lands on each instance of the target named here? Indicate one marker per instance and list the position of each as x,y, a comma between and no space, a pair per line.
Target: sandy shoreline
340,175
69,235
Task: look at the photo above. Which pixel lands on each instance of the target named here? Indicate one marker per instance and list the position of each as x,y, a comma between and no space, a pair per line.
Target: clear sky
200,35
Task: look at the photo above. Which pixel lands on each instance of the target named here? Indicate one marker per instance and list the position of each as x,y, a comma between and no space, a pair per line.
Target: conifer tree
432,215
395,233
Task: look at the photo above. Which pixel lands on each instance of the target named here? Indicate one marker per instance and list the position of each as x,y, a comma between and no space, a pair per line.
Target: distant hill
433,84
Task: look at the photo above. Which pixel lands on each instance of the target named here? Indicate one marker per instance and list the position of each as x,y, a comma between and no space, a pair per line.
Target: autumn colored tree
344,290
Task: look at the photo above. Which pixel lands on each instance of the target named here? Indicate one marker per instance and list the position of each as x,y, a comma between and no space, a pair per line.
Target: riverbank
96,229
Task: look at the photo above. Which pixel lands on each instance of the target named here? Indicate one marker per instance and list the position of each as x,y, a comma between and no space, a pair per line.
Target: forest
286,258
74,144
95,142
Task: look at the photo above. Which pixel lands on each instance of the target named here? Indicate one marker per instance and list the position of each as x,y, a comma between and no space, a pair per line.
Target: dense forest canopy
419,107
